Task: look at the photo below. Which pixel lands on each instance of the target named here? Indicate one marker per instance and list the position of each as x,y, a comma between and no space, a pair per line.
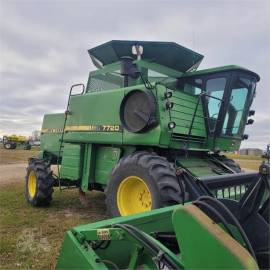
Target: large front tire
141,182
39,183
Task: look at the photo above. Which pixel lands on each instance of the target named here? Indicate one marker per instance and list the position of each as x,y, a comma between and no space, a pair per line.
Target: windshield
235,116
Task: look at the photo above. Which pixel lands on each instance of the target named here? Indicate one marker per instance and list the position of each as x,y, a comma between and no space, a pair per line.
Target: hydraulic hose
234,219
148,244
215,212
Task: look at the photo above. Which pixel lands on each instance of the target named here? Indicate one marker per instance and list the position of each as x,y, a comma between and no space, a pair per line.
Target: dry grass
47,224
24,228
247,162
244,157
16,155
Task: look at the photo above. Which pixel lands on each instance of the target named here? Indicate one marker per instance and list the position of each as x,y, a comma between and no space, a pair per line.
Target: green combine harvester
149,129
146,128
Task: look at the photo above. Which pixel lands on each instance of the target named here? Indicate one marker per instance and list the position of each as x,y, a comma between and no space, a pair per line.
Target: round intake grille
138,111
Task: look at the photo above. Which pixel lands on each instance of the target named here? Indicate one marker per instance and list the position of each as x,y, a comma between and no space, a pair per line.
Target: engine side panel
52,128
94,117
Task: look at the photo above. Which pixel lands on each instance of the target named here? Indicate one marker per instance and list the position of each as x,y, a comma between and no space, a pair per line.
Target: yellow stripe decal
51,130
84,128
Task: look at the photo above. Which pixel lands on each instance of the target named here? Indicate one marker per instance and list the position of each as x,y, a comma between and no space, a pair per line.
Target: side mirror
250,122
251,113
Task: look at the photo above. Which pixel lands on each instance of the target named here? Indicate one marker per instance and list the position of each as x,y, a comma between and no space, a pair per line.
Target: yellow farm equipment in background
14,141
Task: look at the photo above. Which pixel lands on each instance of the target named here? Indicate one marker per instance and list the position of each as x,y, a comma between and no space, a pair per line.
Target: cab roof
220,69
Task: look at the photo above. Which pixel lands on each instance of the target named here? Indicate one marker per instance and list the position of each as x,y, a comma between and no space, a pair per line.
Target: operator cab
227,94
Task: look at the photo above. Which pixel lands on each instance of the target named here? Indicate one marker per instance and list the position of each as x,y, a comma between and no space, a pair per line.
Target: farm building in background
251,151
36,135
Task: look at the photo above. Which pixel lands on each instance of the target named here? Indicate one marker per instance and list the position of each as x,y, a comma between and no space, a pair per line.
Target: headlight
171,125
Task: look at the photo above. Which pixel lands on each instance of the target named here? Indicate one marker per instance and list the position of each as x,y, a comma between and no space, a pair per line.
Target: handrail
75,85
195,111
64,126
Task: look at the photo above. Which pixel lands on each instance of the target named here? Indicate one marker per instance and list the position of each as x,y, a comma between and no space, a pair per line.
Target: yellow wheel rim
133,196
32,184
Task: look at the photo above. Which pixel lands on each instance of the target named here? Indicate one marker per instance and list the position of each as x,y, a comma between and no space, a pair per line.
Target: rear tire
141,182
7,146
39,183
10,145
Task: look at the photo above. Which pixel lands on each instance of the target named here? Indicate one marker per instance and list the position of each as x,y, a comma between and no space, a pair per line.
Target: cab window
191,86
214,89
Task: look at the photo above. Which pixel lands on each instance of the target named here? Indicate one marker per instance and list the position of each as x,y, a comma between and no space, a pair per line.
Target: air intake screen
138,111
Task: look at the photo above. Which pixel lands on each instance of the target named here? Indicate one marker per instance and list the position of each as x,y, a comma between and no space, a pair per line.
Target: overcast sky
43,48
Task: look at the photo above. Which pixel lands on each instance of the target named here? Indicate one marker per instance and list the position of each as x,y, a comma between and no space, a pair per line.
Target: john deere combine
147,129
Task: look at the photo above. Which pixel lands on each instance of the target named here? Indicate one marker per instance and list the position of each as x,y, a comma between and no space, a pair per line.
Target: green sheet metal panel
182,112
198,166
51,131
164,117
71,161
74,256
106,159
145,221
204,244
224,144
96,108
156,220
183,115
151,137
95,117
88,166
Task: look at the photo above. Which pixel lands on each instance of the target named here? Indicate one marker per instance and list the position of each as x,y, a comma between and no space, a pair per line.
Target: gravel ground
12,173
